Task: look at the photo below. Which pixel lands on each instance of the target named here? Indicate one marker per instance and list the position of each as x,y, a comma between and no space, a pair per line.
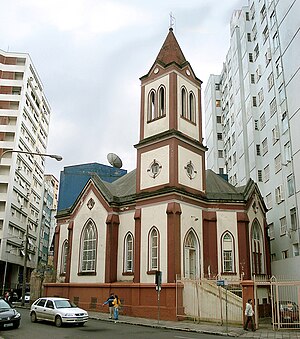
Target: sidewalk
265,331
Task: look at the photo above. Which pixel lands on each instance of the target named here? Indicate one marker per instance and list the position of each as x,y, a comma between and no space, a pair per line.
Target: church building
169,215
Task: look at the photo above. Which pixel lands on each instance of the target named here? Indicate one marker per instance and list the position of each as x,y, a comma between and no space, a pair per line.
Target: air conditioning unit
258,71
269,54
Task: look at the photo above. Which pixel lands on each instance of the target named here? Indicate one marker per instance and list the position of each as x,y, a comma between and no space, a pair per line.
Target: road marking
176,336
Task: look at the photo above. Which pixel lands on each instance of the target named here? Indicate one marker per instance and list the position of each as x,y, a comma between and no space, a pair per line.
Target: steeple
170,51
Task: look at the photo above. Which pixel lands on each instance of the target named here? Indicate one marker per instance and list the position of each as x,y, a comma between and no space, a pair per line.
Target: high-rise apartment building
48,222
252,109
24,125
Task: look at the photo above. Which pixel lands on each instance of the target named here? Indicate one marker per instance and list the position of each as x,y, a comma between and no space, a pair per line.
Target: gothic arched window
64,257
192,107
128,253
257,249
183,102
88,248
153,249
162,102
151,106
191,256
227,252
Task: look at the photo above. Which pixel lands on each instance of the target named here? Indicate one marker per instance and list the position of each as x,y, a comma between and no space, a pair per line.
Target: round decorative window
190,170
154,169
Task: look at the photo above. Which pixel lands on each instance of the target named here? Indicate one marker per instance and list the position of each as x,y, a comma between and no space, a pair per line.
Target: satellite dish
114,160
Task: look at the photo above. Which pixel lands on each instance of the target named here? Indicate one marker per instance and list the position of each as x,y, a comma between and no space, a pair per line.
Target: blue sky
90,55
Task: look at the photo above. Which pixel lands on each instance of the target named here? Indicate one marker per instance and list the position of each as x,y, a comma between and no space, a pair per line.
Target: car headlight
17,315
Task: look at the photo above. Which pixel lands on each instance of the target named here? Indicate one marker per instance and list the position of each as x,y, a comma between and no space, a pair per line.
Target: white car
58,310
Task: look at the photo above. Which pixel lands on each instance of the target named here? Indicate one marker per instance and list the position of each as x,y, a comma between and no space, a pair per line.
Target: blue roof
74,178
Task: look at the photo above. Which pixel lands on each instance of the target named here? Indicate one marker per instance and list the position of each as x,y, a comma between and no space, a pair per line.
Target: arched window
151,106
128,253
153,249
227,252
257,249
183,102
88,248
162,102
191,256
64,257
192,107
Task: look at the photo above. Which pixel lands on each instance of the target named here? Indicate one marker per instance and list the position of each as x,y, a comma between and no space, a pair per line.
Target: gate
284,300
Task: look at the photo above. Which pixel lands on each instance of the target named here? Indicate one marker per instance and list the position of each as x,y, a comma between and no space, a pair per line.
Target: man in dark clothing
109,301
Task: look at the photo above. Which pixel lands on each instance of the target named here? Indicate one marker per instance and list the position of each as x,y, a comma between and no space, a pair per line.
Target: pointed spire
170,51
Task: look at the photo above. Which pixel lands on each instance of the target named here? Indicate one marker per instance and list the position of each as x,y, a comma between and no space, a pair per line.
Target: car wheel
58,321
33,317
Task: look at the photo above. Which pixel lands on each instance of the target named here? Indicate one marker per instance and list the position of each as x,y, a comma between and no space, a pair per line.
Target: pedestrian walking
110,301
249,315
116,304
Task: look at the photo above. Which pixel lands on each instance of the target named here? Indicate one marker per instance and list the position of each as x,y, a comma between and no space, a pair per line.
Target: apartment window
269,200
221,170
247,16
259,176
233,138
217,87
291,185
264,146
220,153
277,162
273,107
285,254
284,122
258,150
218,103
219,119
287,153
252,78
254,103
296,250
275,134
282,225
263,120
267,173
249,37
219,136
270,81
279,194
256,125
265,33
234,158
250,57
263,13
281,93
278,67
260,96
268,56
272,19
271,231
256,51
294,224
275,41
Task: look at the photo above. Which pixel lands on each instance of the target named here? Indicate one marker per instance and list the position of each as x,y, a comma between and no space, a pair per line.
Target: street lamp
56,157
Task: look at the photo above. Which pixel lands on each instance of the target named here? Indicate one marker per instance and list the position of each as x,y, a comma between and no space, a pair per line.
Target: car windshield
63,304
4,305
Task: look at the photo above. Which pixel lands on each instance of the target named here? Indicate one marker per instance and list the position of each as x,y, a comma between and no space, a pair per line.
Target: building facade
24,125
169,215
252,109
48,222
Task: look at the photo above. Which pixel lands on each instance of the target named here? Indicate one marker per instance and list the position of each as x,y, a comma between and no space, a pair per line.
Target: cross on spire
172,20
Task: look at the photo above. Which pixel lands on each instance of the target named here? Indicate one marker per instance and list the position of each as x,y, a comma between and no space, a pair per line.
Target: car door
49,311
39,308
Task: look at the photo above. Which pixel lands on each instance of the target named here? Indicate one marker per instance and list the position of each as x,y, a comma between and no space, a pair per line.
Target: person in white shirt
249,314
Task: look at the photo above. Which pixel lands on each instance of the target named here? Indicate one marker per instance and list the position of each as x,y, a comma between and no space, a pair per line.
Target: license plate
8,325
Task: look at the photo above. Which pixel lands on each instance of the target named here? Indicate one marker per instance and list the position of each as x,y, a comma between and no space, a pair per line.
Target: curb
229,334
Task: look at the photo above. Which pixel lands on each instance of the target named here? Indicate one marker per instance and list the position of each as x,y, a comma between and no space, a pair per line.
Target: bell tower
170,152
